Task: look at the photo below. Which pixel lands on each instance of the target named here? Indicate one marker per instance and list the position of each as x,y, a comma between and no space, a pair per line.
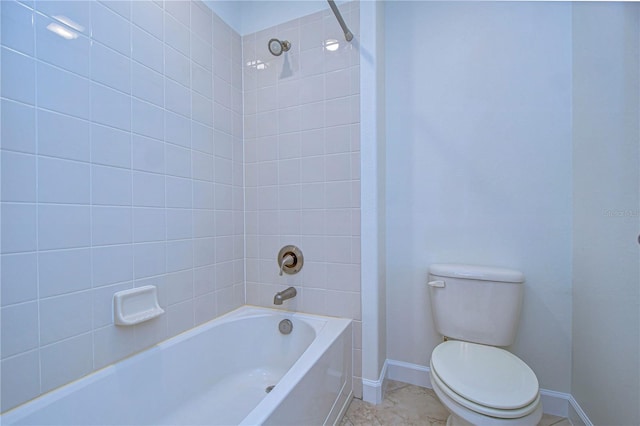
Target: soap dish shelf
137,305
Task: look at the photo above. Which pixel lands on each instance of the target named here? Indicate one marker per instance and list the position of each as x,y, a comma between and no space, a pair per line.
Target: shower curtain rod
347,34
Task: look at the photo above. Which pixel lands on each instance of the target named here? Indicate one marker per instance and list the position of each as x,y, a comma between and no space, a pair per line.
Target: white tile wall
122,166
302,159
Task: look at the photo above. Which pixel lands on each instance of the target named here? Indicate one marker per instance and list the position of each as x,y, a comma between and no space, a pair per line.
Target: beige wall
373,175
479,165
606,220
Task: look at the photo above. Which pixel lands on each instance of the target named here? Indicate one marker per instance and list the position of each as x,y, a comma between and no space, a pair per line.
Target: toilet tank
478,304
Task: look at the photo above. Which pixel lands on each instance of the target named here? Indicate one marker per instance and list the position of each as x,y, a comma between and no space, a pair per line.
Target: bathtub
220,373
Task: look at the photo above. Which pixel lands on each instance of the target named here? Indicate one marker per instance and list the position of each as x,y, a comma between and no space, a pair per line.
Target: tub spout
284,295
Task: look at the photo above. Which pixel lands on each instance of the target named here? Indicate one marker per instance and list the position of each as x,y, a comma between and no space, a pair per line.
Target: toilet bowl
484,385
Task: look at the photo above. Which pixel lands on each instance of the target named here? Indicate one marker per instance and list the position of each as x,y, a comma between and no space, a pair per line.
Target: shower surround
124,164
302,166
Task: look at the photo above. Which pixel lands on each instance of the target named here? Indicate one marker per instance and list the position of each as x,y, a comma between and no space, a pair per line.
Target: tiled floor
411,405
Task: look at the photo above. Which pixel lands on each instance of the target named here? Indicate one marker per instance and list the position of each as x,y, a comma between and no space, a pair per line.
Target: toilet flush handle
437,283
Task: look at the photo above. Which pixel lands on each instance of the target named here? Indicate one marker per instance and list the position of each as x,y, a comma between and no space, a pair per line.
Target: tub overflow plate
285,326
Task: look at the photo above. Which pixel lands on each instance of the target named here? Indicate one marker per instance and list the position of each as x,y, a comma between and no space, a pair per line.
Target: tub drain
269,388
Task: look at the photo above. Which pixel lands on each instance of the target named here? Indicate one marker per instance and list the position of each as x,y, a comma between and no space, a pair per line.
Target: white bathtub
215,374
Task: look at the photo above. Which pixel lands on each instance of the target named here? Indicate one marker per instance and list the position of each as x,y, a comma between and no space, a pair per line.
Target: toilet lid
486,375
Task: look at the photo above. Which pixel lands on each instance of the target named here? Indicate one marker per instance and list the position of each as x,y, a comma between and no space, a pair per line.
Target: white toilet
476,309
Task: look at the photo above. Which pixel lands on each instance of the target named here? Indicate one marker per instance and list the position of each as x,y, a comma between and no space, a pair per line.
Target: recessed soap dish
137,305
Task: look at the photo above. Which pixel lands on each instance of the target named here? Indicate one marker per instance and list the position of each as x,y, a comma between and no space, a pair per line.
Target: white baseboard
373,390
406,372
554,403
576,415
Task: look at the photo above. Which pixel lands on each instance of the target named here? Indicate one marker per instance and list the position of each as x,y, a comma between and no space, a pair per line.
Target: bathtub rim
327,330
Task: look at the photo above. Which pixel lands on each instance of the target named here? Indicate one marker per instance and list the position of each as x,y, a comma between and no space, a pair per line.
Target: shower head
276,47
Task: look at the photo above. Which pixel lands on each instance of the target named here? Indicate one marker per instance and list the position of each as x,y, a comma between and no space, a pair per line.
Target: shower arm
347,34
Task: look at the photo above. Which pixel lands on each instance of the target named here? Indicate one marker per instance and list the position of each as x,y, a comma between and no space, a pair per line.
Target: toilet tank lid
476,272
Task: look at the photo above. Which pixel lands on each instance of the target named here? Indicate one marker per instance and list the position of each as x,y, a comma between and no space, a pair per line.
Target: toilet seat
481,409
485,379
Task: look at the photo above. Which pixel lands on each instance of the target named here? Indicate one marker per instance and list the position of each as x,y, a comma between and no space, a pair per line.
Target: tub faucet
284,295
287,260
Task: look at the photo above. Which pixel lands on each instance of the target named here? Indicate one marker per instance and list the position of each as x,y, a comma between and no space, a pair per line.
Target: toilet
476,309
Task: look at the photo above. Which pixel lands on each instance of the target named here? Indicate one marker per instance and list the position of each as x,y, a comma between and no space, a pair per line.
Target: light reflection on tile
406,404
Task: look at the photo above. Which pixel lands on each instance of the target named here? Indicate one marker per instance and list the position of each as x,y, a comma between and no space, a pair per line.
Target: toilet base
454,420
